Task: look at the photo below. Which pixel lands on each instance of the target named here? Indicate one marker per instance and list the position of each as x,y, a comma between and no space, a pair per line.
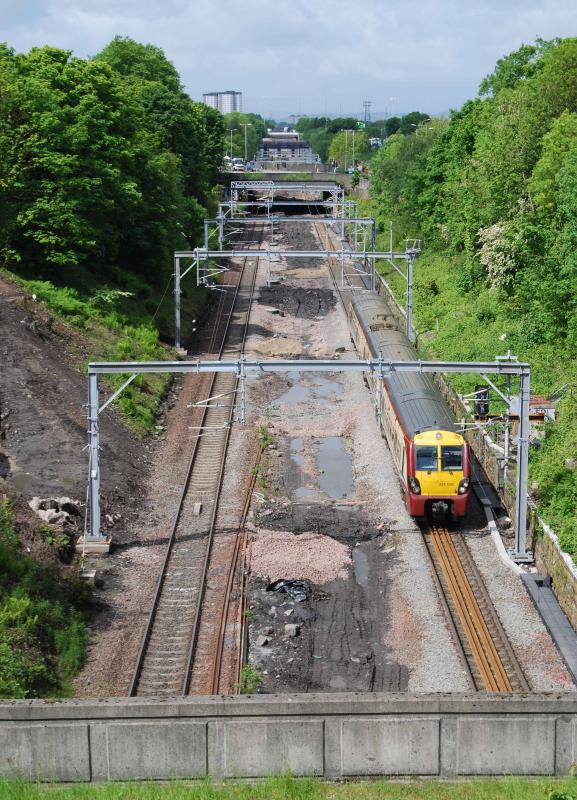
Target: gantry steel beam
206,274
274,220
377,368
325,186
336,191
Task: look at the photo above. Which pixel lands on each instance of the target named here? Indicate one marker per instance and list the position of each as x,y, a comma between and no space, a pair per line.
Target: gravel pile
309,556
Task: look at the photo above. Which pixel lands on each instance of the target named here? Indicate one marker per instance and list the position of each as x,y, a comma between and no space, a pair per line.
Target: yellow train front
432,459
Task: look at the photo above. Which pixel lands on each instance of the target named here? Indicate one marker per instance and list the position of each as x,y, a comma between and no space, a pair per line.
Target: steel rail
214,515
133,688
481,637
239,542
484,651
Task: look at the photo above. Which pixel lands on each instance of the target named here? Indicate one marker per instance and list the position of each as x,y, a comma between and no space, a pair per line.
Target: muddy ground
336,639
43,396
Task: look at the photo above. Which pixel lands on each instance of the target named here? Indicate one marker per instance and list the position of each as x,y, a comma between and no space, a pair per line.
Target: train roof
416,398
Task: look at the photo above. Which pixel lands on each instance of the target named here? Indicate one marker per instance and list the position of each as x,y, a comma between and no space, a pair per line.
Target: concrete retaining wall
336,735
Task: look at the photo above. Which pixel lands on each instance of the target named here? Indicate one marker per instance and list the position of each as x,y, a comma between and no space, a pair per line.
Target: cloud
307,55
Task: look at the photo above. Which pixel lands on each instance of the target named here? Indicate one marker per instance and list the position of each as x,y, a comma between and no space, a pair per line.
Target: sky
306,56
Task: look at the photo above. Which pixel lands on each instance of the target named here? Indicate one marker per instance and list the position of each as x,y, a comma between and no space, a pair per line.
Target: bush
43,636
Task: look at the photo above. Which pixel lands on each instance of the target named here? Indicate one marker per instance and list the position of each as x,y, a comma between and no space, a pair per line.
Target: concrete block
268,747
564,745
171,749
510,746
449,736
390,746
45,752
332,731
95,547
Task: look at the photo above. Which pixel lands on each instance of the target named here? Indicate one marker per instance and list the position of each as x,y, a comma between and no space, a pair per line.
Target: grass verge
286,788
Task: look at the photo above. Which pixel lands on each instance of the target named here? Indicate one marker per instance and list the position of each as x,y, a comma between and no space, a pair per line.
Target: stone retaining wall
551,560
332,736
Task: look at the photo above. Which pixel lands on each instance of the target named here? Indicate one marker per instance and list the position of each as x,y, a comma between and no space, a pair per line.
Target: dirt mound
278,346
316,558
298,301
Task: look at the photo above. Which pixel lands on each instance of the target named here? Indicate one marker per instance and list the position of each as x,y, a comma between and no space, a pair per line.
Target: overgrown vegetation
250,680
42,632
492,192
107,167
265,437
288,788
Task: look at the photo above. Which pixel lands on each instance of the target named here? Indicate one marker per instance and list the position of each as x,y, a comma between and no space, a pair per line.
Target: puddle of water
324,387
361,566
304,493
336,464
318,388
21,480
296,394
297,446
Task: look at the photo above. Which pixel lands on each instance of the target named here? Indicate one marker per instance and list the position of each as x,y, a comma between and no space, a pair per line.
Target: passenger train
431,457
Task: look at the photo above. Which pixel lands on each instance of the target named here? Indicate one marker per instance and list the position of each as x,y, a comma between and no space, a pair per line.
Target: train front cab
438,476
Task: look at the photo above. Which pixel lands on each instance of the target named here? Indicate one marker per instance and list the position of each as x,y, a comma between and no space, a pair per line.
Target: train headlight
463,485
414,485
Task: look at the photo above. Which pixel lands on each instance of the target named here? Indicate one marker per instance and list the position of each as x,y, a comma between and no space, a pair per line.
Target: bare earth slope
43,410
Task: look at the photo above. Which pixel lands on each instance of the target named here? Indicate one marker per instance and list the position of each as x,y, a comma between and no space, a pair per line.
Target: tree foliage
494,189
341,147
256,128
105,162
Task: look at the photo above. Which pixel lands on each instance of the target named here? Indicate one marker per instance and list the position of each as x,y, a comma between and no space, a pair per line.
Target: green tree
190,130
68,155
255,132
392,125
341,147
410,122
517,66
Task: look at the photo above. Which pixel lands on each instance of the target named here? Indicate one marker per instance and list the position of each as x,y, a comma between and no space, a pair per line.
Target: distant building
225,102
285,145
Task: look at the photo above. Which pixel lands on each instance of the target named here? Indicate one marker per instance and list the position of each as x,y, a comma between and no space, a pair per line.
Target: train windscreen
427,458
451,458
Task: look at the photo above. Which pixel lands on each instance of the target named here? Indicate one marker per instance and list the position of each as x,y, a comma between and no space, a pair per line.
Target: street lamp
346,132
245,125
231,131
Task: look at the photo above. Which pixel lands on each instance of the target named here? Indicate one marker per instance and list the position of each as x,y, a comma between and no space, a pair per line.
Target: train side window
451,458
427,458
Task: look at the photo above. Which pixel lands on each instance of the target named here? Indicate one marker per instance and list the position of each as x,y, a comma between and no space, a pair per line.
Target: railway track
483,645
168,653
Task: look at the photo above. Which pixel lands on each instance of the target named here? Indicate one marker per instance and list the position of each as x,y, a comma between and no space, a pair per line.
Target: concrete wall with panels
335,735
